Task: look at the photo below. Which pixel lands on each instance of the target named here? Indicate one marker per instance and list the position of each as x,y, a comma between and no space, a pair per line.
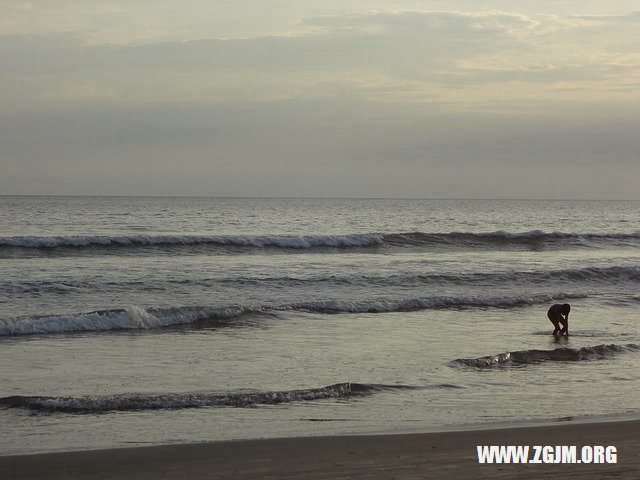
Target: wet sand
403,456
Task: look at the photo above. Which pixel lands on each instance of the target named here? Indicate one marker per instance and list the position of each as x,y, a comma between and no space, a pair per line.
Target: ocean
140,321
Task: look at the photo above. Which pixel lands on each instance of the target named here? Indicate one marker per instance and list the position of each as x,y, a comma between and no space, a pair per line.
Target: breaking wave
529,357
163,401
136,318
130,318
532,240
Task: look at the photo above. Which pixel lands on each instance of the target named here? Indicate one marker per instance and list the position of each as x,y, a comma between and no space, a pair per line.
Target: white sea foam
127,319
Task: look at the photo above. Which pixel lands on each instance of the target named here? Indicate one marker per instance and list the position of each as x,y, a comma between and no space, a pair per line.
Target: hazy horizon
277,197
372,99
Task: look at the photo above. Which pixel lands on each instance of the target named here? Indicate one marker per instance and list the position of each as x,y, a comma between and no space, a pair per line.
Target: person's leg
565,326
554,319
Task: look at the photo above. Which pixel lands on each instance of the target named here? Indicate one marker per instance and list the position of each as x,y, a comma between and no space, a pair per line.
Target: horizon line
295,197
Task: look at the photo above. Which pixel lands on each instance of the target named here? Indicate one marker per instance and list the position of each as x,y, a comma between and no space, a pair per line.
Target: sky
302,98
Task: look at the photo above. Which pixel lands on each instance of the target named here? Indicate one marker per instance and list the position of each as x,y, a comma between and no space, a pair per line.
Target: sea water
134,321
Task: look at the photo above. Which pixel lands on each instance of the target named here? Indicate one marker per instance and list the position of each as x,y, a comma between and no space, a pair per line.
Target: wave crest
531,240
165,401
255,241
130,318
530,357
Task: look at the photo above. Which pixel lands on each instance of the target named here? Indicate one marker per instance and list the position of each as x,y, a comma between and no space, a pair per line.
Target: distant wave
528,357
255,241
159,401
136,318
577,276
532,240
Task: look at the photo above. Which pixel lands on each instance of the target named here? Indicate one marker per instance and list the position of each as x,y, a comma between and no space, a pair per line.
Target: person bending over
559,315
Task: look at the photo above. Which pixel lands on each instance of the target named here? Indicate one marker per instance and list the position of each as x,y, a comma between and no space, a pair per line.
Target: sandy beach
403,456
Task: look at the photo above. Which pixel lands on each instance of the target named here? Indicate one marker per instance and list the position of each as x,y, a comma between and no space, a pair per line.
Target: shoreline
448,454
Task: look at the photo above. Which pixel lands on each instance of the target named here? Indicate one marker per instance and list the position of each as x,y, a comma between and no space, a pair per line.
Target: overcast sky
471,99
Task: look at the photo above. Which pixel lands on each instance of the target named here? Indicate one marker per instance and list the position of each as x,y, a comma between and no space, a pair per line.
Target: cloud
628,17
368,39
401,56
410,22
102,22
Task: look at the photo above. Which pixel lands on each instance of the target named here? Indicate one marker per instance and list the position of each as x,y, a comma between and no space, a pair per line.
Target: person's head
566,308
